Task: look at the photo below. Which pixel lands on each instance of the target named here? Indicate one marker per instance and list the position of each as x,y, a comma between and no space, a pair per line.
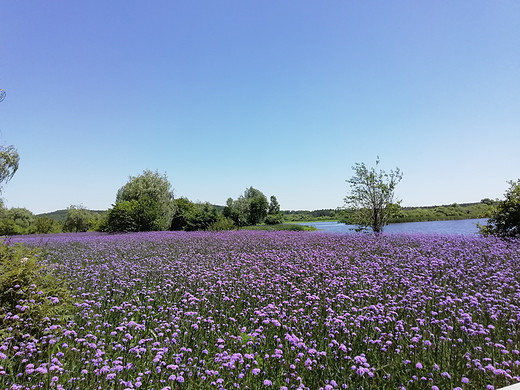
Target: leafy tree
505,218
44,225
9,157
78,219
237,211
203,217
371,197
121,217
191,216
9,160
274,216
149,216
155,196
15,221
257,209
183,210
249,209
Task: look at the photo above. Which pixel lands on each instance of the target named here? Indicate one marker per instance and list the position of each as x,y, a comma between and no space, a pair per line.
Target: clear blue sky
284,96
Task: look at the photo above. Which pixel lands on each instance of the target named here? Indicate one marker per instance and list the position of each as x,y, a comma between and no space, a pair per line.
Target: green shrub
44,225
222,223
274,219
121,217
505,217
31,296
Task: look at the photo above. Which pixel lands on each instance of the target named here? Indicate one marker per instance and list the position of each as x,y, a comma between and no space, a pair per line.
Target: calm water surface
463,226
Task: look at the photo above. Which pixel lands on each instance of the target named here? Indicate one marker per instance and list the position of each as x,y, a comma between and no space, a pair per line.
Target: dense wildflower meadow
280,310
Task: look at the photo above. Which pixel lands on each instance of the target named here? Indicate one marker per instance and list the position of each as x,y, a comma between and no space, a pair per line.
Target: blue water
463,226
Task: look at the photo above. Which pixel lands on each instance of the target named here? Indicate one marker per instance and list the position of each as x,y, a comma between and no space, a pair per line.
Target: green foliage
204,217
237,211
274,215
274,219
222,223
505,218
30,295
9,160
44,225
149,215
371,198
15,221
183,210
121,217
98,221
191,216
249,209
443,213
60,215
315,215
78,219
154,194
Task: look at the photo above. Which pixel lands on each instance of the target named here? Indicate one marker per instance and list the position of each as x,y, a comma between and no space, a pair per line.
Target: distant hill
61,215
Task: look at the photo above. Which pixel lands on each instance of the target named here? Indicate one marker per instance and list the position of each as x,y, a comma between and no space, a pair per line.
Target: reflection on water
463,226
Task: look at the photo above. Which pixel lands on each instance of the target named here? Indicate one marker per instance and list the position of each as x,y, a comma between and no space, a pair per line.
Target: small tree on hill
371,202
505,218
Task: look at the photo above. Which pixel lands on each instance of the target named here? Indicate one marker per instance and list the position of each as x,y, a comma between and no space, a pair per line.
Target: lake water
463,226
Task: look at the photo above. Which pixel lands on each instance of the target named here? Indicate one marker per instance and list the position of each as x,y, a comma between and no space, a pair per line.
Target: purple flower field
280,310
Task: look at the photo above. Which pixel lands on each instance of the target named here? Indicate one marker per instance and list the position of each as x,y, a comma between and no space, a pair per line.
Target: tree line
146,203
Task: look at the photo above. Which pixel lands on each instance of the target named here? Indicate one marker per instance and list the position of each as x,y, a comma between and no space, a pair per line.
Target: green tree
191,216
15,221
371,198
183,210
9,160
203,217
258,205
249,209
78,219
505,218
237,211
121,217
44,225
9,157
154,194
274,216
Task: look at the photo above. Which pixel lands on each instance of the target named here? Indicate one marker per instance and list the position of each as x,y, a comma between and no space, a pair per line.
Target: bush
141,215
15,221
274,219
120,218
222,223
31,296
505,219
44,225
